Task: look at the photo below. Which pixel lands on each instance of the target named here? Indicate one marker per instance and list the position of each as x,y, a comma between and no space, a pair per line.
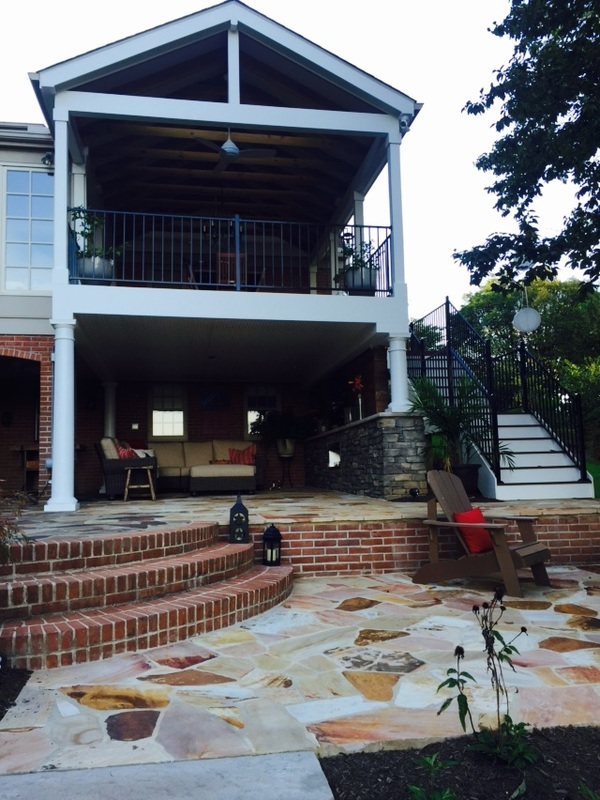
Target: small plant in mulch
11,508
508,742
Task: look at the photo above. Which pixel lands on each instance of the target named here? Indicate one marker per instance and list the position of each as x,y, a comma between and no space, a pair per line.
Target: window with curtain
168,412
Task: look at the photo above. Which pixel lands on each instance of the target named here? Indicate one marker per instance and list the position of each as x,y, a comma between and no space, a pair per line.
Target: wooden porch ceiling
175,169
167,168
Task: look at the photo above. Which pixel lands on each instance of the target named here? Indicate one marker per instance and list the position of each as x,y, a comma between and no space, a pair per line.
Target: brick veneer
133,569
36,348
316,549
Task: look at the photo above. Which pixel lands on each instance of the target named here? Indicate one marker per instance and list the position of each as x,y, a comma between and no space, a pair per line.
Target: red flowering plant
356,384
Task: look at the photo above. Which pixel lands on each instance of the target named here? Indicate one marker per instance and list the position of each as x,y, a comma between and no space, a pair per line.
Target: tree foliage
549,121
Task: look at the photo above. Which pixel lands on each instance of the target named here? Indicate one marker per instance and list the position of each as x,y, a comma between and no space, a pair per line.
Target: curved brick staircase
67,601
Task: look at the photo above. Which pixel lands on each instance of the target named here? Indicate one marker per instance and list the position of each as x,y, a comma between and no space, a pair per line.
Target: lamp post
238,522
271,547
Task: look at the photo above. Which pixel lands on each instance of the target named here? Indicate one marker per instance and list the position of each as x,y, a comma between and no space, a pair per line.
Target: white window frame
181,395
29,168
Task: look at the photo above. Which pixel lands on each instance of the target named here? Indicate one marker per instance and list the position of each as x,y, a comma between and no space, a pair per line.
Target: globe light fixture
527,320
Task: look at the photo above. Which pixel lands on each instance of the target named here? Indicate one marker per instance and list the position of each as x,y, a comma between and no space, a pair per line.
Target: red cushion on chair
126,452
478,540
243,456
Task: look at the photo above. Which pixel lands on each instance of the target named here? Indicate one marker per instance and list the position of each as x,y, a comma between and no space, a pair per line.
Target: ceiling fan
230,152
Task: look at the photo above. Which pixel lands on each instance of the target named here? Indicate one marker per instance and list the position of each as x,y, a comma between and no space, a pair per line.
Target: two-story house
185,247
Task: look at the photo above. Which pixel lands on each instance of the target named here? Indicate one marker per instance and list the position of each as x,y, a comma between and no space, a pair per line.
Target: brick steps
78,637
73,601
59,555
127,583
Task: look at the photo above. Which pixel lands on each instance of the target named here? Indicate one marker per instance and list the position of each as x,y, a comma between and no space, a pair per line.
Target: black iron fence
124,248
444,347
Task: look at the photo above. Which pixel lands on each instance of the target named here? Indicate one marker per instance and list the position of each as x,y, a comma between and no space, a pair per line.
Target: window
259,400
168,412
29,230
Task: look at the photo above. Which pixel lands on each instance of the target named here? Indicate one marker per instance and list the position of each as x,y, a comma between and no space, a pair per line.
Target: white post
110,409
63,431
399,400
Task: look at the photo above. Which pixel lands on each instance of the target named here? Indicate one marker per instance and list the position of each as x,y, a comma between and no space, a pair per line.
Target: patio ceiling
176,168
195,349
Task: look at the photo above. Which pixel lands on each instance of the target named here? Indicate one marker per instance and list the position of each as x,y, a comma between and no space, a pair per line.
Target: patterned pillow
126,452
243,456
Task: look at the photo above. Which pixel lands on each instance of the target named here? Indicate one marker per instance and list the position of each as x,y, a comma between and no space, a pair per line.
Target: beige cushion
221,470
222,446
109,447
197,453
169,472
169,454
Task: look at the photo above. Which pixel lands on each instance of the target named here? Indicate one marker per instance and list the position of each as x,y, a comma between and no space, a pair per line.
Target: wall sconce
48,159
271,547
238,522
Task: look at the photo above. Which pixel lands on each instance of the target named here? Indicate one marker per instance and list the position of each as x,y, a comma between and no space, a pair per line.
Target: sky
438,52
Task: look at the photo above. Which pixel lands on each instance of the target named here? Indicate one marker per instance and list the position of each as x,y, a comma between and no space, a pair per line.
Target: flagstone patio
344,664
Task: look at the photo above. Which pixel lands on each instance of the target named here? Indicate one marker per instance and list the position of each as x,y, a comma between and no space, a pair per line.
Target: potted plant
282,428
95,260
360,267
453,427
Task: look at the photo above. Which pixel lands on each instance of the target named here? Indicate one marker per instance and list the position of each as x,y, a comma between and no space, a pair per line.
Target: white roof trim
148,44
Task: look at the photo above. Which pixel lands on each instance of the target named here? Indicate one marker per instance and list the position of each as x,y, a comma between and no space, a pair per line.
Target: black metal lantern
238,522
271,547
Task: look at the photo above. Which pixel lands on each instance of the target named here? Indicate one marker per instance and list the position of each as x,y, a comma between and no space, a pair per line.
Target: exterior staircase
542,469
68,601
521,407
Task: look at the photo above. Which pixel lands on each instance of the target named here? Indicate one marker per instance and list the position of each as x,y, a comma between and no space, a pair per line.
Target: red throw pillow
243,456
478,540
126,452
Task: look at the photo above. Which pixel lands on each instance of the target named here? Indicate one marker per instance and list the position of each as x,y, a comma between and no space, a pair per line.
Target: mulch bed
568,763
11,683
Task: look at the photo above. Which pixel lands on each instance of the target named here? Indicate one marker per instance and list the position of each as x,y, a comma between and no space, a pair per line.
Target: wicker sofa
218,465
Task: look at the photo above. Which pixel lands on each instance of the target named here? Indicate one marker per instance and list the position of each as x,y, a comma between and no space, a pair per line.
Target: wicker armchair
114,468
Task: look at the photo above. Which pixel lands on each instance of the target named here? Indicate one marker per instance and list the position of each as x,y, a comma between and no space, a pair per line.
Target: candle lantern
271,547
238,522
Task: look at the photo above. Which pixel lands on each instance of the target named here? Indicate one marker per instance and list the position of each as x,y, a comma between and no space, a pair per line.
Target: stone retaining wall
380,456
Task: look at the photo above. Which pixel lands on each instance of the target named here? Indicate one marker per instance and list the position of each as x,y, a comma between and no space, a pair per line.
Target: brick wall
348,548
39,350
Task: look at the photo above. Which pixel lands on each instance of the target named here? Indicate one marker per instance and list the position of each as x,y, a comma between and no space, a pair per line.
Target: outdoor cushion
197,453
221,471
245,456
222,446
169,454
478,540
109,448
126,452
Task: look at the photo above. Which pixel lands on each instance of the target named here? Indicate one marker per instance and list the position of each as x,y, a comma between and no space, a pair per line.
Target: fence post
523,375
578,412
449,370
491,387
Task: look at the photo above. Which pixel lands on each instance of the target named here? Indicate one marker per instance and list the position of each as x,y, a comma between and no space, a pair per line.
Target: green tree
549,121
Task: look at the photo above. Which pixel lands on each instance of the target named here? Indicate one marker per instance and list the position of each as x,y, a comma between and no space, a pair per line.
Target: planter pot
286,447
362,281
95,268
468,473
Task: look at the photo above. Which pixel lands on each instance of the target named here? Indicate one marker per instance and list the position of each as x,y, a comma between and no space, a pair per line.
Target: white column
110,409
395,194
63,430
398,374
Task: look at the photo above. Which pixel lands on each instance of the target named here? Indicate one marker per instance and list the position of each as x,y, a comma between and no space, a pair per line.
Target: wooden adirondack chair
502,558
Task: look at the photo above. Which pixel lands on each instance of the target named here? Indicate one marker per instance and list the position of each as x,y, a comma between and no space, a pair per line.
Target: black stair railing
444,345
526,384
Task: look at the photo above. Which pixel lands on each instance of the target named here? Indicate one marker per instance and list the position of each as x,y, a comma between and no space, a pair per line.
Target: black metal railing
444,347
125,248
